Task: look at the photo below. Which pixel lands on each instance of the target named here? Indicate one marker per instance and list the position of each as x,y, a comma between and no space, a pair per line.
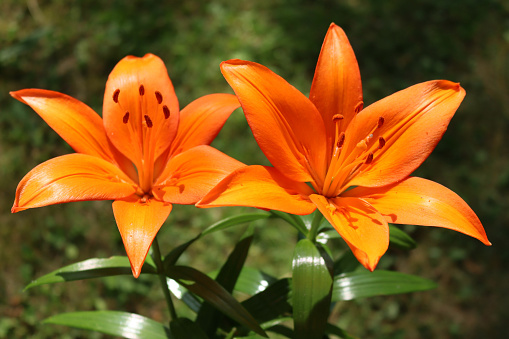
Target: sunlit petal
261,187
362,227
72,177
418,201
138,222
190,175
286,125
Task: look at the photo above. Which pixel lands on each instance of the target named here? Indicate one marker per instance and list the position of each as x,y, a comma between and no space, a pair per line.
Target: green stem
313,231
156,255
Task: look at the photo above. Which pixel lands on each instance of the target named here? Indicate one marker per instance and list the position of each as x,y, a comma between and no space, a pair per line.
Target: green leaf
311,291
270,303
235,220
400,239
363,284
122,324
208,289
347,263
183,328
331,329
91,268
252,281
294,220
171,258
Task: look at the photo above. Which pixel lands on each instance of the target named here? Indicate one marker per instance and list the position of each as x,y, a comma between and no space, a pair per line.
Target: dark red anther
148,121
337,117
142,90
381,142
115,95
380,122
125,119
159,97
341,140
166,111
369,159
359,107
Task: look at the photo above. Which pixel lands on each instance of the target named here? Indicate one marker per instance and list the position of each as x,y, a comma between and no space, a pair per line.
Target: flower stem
156,255
315,224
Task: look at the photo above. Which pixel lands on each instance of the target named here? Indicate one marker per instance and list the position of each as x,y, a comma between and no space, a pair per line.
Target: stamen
115,95
341,140
125,119
148,121
359,107
381,142
380,122
142,90
166,111
159,97
337,117
369,159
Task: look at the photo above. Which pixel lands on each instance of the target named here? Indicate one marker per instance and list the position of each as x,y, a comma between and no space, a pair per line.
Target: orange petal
140,109
418,201
362,227
286,125
138,223
190,175
202,119
75,122
337,87
414,120
72,177
261,187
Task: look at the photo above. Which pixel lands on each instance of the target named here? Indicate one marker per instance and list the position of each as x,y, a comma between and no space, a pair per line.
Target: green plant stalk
156,255
315,224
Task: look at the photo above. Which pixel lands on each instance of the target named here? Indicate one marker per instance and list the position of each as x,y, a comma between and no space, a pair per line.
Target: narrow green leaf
235,220
347,263
183,328
311,291
171,258
331,329
401,239
122,324
293,220
270,303
252,281
88,269
363,284
208,289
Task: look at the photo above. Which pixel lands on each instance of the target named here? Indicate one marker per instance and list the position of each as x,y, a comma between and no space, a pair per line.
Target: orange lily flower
141,126
357,161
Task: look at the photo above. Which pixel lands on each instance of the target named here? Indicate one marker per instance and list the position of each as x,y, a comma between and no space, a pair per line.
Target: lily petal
262,187
72,177
140,109
190,175
286,125
138,222
362,227
413,121
418,201
337,87
202,119
75,122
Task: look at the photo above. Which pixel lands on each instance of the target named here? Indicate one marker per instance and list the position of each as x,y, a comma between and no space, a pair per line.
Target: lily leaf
183,328
172,257
347,263
363,284
401,239
235,220
311,291
270,303
296,221
91,268
331,329
212,292
122,324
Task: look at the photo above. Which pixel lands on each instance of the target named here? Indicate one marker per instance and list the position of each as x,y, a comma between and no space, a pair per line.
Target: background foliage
72,46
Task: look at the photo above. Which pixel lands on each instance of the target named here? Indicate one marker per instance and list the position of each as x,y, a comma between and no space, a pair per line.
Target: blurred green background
71,46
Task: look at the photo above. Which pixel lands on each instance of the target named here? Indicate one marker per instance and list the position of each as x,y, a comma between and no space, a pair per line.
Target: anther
125,119
148,121
337,117
359,107
166,111
142,90
341,140
115,95
381,142
380,122
159,97
369,159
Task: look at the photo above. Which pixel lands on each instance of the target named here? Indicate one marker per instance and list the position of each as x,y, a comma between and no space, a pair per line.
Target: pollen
341,140
148,121
166,111
159,97
337,117
359,107
125,119
115,95
369,158
381,142
381,121
142,90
